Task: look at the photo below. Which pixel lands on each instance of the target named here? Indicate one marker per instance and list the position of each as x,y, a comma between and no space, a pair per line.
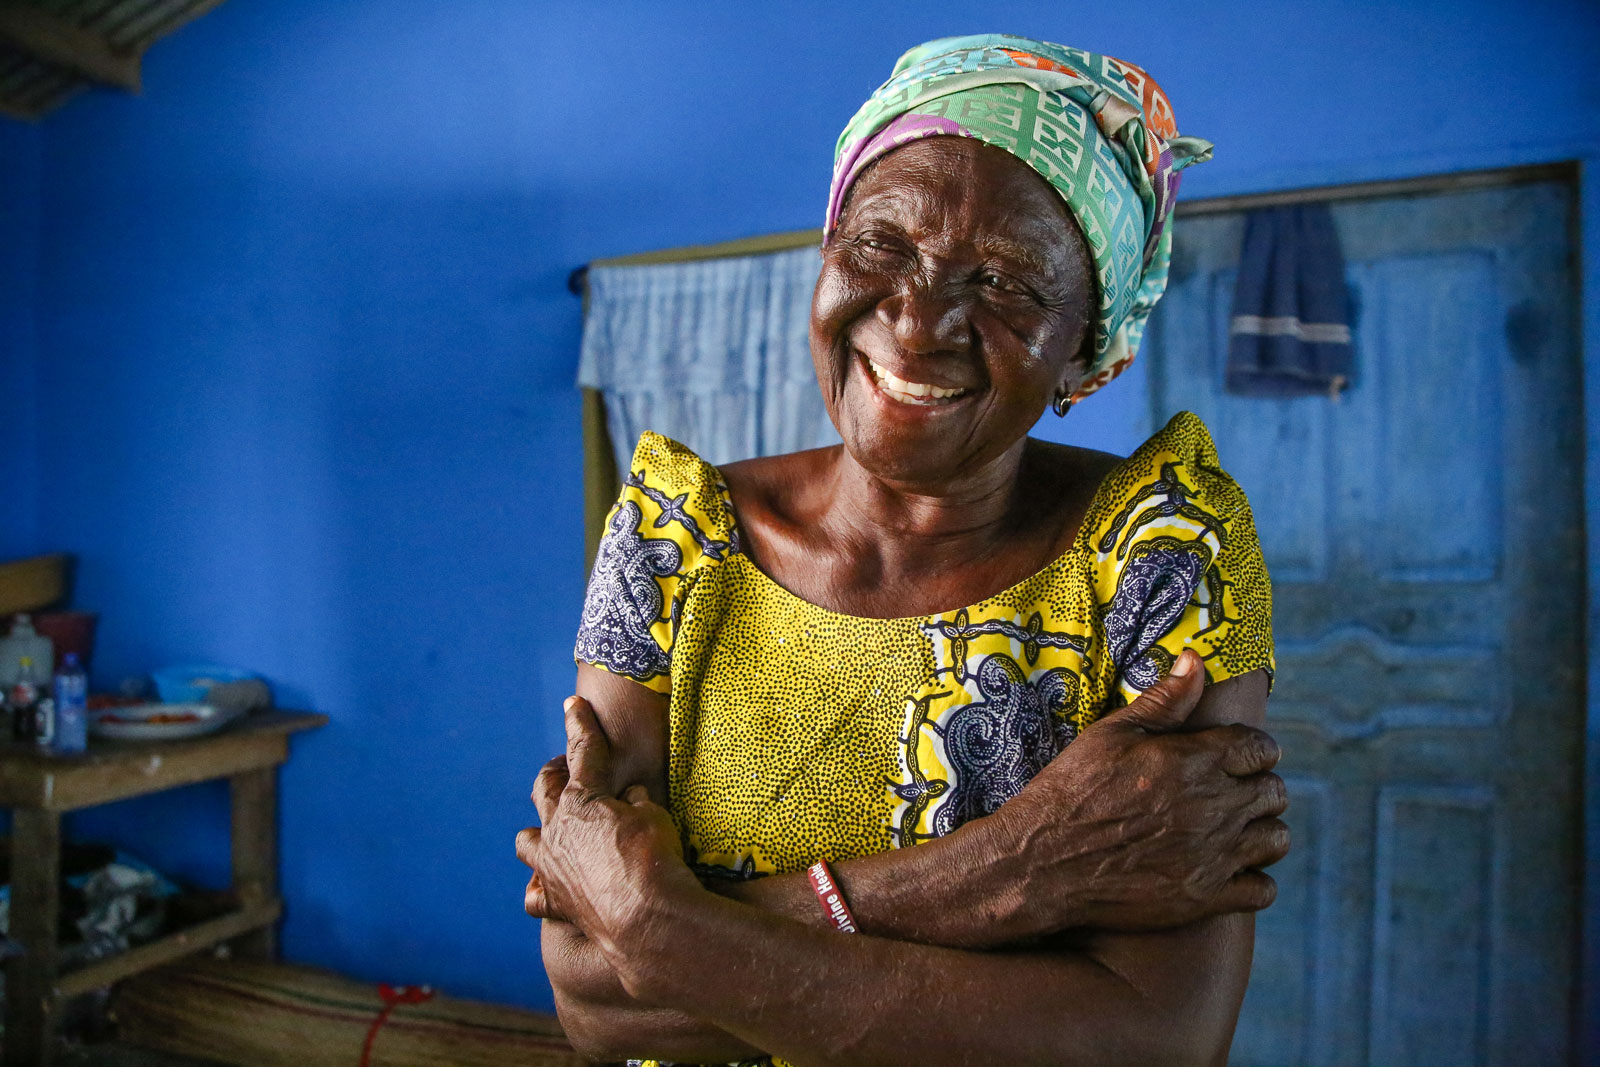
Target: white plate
133,724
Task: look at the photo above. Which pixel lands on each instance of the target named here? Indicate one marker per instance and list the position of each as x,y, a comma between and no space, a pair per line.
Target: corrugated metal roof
52,49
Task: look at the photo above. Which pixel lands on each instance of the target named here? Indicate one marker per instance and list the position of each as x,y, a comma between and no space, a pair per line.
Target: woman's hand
1140,824
1154,818
594,996
1045,871
609,865
534,901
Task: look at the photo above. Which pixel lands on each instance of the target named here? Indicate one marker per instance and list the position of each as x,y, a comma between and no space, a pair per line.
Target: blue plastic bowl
189,684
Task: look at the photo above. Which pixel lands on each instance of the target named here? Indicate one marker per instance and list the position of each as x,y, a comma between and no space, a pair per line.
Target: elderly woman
1043,667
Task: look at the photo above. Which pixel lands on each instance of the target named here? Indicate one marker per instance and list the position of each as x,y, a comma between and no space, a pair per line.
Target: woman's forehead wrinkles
926,217
896,193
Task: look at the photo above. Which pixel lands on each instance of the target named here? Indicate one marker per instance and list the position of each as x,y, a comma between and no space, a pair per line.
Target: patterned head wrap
1099,130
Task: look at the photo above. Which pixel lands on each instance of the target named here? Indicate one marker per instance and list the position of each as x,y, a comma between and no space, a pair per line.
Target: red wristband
831,897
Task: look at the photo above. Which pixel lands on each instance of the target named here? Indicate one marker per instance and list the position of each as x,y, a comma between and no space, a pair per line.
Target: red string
391,996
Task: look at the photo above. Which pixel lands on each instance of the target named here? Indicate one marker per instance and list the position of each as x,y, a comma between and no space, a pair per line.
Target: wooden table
40,788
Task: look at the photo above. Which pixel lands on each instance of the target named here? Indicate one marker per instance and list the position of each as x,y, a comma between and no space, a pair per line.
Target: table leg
255,853
35,911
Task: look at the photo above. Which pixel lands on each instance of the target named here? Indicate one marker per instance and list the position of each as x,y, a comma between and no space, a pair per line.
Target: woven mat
278,1015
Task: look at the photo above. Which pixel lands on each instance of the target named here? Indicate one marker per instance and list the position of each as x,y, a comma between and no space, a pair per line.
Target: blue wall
19,269
304,354
1589,1002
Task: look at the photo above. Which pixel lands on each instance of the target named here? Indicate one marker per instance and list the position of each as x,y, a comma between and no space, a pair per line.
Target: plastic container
25,644
72,706
44,718
190,683
33,711
22,705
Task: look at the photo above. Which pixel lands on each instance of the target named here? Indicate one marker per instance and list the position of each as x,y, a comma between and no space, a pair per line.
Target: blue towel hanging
1290,332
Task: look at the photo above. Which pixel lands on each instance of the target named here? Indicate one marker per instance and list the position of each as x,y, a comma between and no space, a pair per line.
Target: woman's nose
925,319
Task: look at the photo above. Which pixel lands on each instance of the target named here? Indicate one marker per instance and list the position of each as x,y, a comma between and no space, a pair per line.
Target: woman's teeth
912,392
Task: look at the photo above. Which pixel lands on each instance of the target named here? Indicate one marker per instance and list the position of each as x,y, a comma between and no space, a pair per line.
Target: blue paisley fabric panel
1179,566
671,521
1018,721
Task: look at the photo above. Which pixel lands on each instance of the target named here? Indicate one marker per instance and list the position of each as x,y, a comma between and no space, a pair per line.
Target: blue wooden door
1424,538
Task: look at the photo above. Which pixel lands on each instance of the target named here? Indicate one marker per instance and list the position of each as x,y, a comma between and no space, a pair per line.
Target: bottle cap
70,660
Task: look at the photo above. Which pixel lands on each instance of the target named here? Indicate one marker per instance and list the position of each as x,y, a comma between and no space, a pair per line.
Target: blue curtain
711,353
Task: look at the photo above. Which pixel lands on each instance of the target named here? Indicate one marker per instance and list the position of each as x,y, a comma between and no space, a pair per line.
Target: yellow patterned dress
799,733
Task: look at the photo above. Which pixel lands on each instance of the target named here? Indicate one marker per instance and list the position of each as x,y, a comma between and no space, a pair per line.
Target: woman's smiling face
954,302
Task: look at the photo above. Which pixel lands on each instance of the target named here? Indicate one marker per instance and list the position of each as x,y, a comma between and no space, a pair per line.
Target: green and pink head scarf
1099,130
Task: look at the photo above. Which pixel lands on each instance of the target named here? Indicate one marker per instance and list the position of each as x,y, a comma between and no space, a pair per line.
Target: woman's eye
875,242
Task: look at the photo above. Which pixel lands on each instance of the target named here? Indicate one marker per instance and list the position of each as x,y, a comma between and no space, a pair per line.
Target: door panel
1287,1014
1424,536
1432,924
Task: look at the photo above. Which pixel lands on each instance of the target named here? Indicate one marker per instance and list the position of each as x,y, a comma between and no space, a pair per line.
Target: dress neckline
1079,543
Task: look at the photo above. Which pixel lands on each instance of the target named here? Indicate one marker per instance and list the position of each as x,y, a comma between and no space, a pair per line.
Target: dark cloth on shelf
1290,331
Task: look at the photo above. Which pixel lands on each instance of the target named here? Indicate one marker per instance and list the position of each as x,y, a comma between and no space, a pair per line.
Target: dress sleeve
671,521
1178,566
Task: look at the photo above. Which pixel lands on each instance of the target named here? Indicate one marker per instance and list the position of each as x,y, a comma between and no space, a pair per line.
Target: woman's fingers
534,902
1268,796
1262,843
528,846
1246,750
1248,891
548,786
1166,706
588,750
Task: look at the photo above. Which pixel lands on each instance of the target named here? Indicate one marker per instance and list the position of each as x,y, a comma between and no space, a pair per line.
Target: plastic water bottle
72,706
